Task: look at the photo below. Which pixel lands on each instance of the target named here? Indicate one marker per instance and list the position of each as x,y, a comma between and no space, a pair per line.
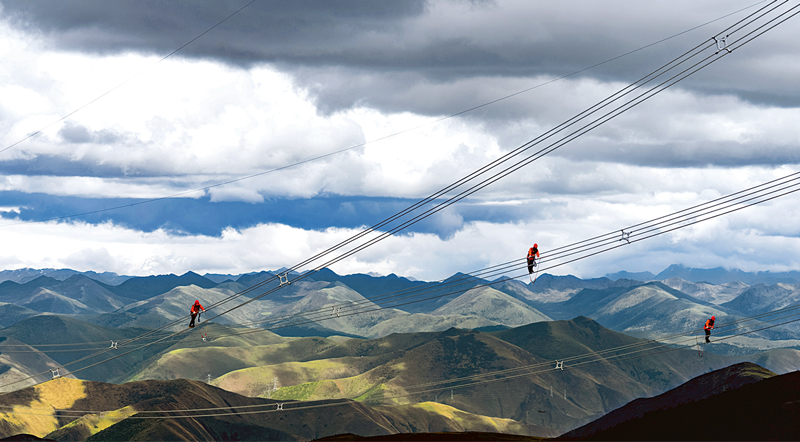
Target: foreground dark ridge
741,402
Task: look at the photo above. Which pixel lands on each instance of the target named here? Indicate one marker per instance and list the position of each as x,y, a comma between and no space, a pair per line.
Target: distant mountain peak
716,275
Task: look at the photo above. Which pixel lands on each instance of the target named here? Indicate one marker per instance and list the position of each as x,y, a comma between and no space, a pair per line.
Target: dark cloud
369,53
263,31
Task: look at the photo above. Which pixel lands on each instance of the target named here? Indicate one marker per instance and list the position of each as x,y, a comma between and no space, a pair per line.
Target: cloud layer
323,117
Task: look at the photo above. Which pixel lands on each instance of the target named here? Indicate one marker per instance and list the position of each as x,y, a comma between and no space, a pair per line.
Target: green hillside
398,370
495,381
96,411
226,354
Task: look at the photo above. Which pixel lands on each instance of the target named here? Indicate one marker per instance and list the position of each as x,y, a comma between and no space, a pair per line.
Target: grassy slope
430,417
415,359
31,411
217,357
257,380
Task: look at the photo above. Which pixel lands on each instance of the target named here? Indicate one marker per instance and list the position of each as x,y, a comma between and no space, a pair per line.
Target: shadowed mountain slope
65,340
467,436
559,340
553,288
701,387
21,365
11,292
742,402
368,285
11,314
779,360
137,411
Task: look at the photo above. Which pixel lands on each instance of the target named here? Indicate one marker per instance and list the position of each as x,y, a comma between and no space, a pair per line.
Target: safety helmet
713,318
197,302
536,246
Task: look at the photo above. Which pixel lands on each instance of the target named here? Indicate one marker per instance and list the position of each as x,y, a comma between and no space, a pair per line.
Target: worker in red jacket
194,311
533,253
708,327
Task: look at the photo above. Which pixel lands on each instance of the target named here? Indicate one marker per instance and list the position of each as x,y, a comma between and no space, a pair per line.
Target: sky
144,137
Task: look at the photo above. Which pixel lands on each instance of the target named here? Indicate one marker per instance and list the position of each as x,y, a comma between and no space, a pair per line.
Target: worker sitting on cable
708,327
194,311
533,253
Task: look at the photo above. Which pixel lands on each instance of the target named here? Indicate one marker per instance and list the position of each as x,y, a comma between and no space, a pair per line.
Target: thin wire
334,402
307,317
683,74
665,68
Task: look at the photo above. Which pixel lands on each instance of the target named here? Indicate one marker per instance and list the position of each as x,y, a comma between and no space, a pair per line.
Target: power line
766,192
596,359
704,212
676,65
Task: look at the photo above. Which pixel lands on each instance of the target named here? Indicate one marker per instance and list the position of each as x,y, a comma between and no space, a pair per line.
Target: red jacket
196,308
709,325
533,252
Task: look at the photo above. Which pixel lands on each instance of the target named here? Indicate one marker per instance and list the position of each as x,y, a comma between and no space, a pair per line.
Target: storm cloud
350,53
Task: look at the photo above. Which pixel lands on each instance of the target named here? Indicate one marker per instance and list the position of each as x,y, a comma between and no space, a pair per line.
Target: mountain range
716,275
400,355
371,306
453,380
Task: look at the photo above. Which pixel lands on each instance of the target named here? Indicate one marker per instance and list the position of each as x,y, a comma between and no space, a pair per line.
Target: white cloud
188,123
743,239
